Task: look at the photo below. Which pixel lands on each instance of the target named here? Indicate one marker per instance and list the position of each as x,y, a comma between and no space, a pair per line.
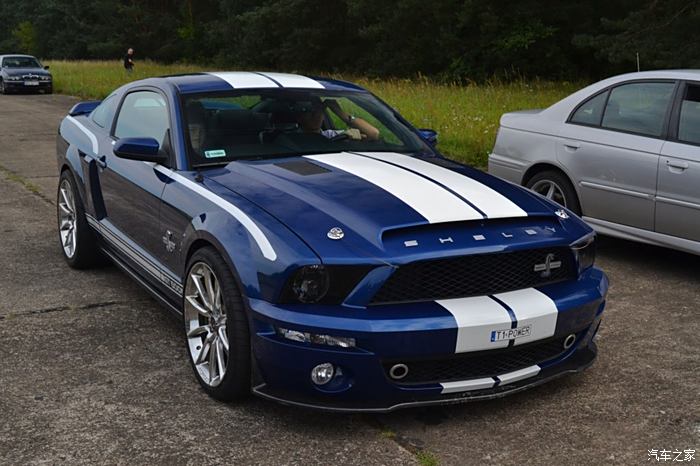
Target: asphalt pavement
92,370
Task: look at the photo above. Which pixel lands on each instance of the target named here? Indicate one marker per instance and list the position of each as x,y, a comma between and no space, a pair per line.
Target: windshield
265,123
20,62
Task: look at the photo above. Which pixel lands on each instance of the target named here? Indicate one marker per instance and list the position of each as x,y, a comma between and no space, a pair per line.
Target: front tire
557,187
77,240
3,90
216,327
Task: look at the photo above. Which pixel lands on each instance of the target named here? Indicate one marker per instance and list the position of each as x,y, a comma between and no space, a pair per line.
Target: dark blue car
318,248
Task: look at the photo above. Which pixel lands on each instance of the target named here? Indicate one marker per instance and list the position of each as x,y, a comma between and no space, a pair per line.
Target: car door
678,192
131,189
611,144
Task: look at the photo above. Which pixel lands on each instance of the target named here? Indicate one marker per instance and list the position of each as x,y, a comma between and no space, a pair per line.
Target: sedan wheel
556,186
205,324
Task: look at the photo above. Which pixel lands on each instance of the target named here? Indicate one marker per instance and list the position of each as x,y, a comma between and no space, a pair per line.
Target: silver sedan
624,153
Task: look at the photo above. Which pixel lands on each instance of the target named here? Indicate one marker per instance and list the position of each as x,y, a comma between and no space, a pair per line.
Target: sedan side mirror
430,135
46,67
143,149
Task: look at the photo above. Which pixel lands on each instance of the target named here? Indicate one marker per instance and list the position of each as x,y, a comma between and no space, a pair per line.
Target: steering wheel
340,137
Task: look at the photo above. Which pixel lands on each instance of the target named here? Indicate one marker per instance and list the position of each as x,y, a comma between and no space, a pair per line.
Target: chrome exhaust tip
569,341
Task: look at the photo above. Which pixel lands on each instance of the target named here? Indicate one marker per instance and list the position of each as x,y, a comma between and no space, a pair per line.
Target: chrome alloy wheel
205,324
550,190
67,219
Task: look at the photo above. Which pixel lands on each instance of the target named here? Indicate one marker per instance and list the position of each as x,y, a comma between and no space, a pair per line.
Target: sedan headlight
584,252
46,78
14,78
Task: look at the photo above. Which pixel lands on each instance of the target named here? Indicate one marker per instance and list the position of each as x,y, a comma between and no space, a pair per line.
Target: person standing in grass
129,60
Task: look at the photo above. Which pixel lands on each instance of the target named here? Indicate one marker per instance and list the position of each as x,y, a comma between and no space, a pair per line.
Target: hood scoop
302,167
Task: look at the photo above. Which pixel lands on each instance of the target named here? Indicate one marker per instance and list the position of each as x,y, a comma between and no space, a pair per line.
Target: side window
143,114
689,124
103,114
590,112
638,108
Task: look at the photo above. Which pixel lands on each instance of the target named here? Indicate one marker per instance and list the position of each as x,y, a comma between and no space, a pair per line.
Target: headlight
14,78
584,251
323,284
46,78
310,283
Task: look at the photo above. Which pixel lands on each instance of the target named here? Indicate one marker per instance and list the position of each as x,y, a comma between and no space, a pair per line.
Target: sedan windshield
20,62
221,127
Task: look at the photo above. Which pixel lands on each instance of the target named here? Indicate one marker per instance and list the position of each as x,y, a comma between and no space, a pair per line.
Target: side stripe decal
489,382
263,243
484,198
434,203
90,135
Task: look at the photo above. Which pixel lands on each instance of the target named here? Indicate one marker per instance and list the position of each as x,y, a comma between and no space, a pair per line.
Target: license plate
511,333
31,83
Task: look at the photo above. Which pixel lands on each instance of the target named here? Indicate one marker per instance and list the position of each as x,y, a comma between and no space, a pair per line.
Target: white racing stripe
433,202
90,135
488,382
476,318
294,80
466,385
255,231
484,198
532,307
245,79
521,374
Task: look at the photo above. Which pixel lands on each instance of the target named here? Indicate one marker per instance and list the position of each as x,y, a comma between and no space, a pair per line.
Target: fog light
306,337
322,374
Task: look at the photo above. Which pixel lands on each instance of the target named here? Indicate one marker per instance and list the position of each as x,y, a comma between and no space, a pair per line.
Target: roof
16,55
226,81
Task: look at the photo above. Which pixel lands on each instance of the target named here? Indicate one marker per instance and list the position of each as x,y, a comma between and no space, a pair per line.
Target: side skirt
152,291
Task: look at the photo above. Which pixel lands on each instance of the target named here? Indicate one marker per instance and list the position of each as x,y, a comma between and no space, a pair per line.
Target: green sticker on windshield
212,154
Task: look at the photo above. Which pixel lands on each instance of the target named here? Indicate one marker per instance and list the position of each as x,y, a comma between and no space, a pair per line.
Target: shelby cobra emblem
548,266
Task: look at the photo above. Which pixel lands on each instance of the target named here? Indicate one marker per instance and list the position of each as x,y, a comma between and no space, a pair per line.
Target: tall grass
466,117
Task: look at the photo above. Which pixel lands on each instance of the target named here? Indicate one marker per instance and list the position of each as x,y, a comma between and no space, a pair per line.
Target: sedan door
678,197
611,145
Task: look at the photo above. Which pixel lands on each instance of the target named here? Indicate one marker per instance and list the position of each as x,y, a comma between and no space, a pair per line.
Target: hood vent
302,167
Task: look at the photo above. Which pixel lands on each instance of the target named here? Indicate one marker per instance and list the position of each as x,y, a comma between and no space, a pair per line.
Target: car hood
388,204
23,71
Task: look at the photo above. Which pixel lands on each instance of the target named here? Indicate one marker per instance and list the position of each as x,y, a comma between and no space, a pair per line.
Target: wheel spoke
198,331
66,224
220,359
209,283
197,280
68,239
217,297
212,363
224,338
193,301
550,191
205,351
64,208
68,204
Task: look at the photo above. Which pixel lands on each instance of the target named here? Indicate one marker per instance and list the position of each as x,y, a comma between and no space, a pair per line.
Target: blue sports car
318,248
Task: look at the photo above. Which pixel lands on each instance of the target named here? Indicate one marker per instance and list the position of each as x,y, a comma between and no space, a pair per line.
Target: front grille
479,364
473,275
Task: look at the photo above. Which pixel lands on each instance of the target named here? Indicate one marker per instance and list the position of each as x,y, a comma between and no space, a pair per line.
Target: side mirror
430,135
143,149
46,67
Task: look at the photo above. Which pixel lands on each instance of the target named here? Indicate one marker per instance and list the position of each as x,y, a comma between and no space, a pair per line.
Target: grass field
466,117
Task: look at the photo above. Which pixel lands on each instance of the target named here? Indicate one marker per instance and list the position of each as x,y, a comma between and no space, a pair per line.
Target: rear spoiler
83,108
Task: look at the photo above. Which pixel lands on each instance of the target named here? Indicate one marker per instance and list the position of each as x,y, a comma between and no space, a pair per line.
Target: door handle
101,161
571,146
680,166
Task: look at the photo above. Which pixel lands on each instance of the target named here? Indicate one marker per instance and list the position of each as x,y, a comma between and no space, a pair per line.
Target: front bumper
21,86
413,334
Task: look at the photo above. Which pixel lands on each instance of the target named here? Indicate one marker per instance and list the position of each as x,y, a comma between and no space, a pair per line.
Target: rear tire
2,87
217,336
557,187
77,240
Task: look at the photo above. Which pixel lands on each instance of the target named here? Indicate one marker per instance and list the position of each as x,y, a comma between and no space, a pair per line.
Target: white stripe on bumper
484,198
476,317
488,382
433,202
521,374
245,80
532,307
